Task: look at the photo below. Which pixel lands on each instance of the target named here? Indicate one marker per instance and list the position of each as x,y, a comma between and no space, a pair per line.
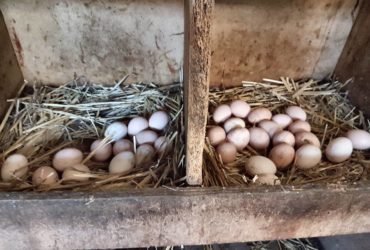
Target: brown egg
122,163
259,114
76,173
162,145
283,137
240,108
122,146
222,113
299,126
146,137
302,138
259,139
259,165
239,137
282,120
227,152
270,127
15,167
216,135
103,152
67,158
45,176
307,156
269,179
282,155
339,149
296,113
233,123
144,155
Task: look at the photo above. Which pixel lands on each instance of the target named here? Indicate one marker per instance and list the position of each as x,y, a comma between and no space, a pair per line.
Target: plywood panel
103,40
253,39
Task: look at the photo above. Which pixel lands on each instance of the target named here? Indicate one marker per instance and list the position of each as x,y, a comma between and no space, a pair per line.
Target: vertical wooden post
198,18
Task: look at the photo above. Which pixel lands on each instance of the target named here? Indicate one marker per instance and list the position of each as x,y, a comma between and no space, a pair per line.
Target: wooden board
162,217
355,60
103,40
255,39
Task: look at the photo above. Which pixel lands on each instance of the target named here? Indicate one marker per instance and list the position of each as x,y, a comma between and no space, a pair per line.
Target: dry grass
329,113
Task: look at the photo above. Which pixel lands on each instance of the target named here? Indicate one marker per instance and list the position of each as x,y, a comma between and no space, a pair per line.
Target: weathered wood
355,60
198,18
257,39
160,217
10,75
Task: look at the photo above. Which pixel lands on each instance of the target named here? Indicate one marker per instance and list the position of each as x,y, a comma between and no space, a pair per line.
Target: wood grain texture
198,17
355,60
10,75
253,39
161,217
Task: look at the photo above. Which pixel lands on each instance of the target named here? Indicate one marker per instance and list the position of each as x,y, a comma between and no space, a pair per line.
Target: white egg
270,127
259,114
360,139
307,156
45,176
67,158
122,163
232,123
282,155
227,152
162,144
122,145
302,138
221,113
144,155
159,120
240,108
299,126
116,131
239,137
339,149
259,165
103,152
15,167
146,137
282,120
283,137
136,125
269,179
296,113
76,173
216,135
259,139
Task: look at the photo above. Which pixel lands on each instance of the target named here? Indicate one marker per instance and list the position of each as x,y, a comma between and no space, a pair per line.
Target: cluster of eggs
137,150
290,136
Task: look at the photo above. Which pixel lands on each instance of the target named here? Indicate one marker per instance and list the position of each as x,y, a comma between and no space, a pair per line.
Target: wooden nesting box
217,42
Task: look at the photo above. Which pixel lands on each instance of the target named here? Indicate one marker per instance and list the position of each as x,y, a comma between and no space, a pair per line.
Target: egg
227,152
122,163
283,137
159,120
162,144
146,137
282,120
221,113
136,125
239,137
302,138
232,123
296,113
116,131
122,145
67,158
259,139
259,114
15,167
360,139
144,155
103,152
307,156
269,179
216,135
259,165
339,149
240,108
299,126
45,176
76,173
282,155
270,127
